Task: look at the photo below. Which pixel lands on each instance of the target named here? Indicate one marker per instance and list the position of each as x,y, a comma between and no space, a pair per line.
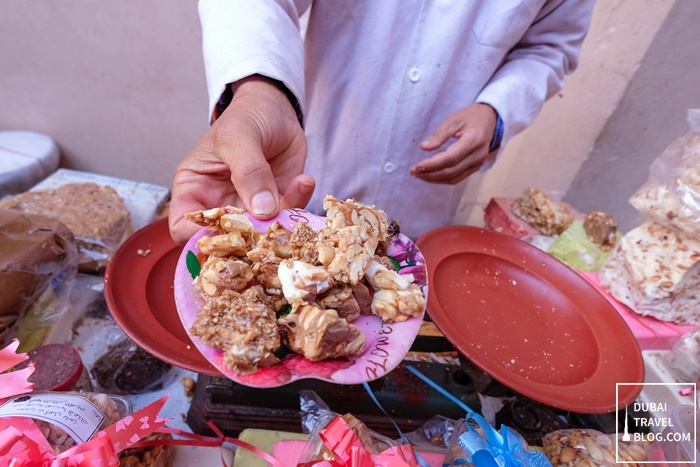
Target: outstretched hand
252,157
473,128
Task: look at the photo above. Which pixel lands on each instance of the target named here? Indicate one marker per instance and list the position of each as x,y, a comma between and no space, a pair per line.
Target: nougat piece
320,334
545,214
656,272
601,229
243,326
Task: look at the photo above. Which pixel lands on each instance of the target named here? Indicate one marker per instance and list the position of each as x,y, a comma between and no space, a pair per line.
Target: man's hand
473,127
253,154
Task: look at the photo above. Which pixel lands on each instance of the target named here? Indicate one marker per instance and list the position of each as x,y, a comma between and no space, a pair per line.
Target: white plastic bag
671,194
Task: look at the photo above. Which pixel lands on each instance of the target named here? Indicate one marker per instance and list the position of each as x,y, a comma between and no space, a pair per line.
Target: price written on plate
76,415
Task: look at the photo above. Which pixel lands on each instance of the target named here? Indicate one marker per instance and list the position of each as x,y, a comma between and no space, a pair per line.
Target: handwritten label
75,415
298,215
378,355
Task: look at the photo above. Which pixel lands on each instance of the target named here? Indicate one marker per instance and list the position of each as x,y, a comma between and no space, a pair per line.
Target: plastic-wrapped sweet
656,272
547,215
128,369
583,447
671,194
96,215
58,413
575,248
684,359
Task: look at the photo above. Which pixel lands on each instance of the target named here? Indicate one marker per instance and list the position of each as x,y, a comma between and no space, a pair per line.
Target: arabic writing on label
75,415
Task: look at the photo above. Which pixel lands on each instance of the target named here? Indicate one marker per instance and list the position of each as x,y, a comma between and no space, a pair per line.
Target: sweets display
266,292
655,271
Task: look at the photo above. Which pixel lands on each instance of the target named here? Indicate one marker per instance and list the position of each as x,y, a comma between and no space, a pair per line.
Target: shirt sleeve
241,38
534,70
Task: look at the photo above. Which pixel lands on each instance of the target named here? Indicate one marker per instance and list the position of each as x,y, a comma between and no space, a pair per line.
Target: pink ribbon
349,451
14,383
23,445
208,441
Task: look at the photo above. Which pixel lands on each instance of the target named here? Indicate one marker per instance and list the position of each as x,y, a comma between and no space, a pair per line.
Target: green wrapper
574,249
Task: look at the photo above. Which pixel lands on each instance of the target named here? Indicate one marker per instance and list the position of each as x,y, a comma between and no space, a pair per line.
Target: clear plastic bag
315,415
434,435
671,194
38,266
684,358
575,447
126,368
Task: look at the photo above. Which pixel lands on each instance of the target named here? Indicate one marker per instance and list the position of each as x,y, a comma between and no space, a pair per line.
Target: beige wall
119,85
650,115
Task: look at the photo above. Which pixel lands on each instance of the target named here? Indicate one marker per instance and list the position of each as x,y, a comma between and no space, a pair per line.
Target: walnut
266,274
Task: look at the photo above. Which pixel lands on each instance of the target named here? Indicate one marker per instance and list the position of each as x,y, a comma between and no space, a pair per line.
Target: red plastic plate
139,292
530,321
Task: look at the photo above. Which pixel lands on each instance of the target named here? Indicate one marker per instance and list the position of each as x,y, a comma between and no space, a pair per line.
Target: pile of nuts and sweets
298,289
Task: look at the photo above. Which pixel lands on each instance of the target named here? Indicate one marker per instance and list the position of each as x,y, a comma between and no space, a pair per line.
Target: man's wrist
229,91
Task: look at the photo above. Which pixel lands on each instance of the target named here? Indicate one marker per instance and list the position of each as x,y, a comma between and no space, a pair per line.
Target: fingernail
425,143
264,203
306,188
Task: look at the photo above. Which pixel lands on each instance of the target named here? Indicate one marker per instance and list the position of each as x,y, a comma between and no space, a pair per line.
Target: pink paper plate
387,344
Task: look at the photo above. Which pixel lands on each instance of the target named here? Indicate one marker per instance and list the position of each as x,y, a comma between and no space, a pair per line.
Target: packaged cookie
67,418
588,448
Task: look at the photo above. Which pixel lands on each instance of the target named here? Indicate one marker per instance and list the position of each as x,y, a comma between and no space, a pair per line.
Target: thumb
252,176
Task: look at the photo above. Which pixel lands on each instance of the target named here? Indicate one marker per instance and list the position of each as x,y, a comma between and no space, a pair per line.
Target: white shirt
375,77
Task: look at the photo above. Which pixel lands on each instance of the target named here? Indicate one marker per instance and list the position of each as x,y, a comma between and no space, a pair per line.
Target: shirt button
389,167
414,74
